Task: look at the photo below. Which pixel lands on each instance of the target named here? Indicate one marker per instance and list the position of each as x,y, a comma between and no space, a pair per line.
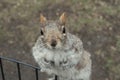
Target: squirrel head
53,33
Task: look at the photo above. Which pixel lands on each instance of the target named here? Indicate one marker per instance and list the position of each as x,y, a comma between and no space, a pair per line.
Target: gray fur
65,58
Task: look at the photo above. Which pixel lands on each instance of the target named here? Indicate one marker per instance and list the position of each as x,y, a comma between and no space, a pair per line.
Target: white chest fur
66,71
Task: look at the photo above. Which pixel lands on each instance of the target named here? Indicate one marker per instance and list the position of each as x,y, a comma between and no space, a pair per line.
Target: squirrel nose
53,43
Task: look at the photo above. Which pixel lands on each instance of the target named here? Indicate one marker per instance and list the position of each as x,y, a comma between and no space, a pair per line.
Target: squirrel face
53,33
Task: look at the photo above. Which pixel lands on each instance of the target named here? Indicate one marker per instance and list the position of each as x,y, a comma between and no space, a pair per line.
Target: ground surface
96,22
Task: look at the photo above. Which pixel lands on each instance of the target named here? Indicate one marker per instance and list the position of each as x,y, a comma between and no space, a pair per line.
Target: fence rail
18,63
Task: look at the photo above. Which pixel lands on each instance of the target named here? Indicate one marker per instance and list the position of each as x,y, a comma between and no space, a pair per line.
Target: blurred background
96,22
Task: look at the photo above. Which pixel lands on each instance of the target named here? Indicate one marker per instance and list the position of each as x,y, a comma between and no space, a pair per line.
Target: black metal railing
18,63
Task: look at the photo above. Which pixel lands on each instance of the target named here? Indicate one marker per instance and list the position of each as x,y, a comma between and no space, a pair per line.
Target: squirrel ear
42,19
63,18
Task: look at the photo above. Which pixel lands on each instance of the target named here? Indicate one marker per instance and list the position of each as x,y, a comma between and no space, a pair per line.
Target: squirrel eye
41,32
63,30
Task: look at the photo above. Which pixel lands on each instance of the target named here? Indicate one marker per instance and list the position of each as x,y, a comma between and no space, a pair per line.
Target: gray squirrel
60,53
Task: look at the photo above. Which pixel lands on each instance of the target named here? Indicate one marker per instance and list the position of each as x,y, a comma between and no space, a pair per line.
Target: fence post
36,72
19,73
2,71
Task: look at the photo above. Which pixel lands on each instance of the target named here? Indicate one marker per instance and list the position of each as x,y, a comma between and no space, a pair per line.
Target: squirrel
61,53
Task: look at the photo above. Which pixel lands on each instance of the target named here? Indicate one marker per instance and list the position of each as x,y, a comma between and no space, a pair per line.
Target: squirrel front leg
75,55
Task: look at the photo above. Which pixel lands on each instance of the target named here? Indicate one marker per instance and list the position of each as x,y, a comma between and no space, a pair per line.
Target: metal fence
18,63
